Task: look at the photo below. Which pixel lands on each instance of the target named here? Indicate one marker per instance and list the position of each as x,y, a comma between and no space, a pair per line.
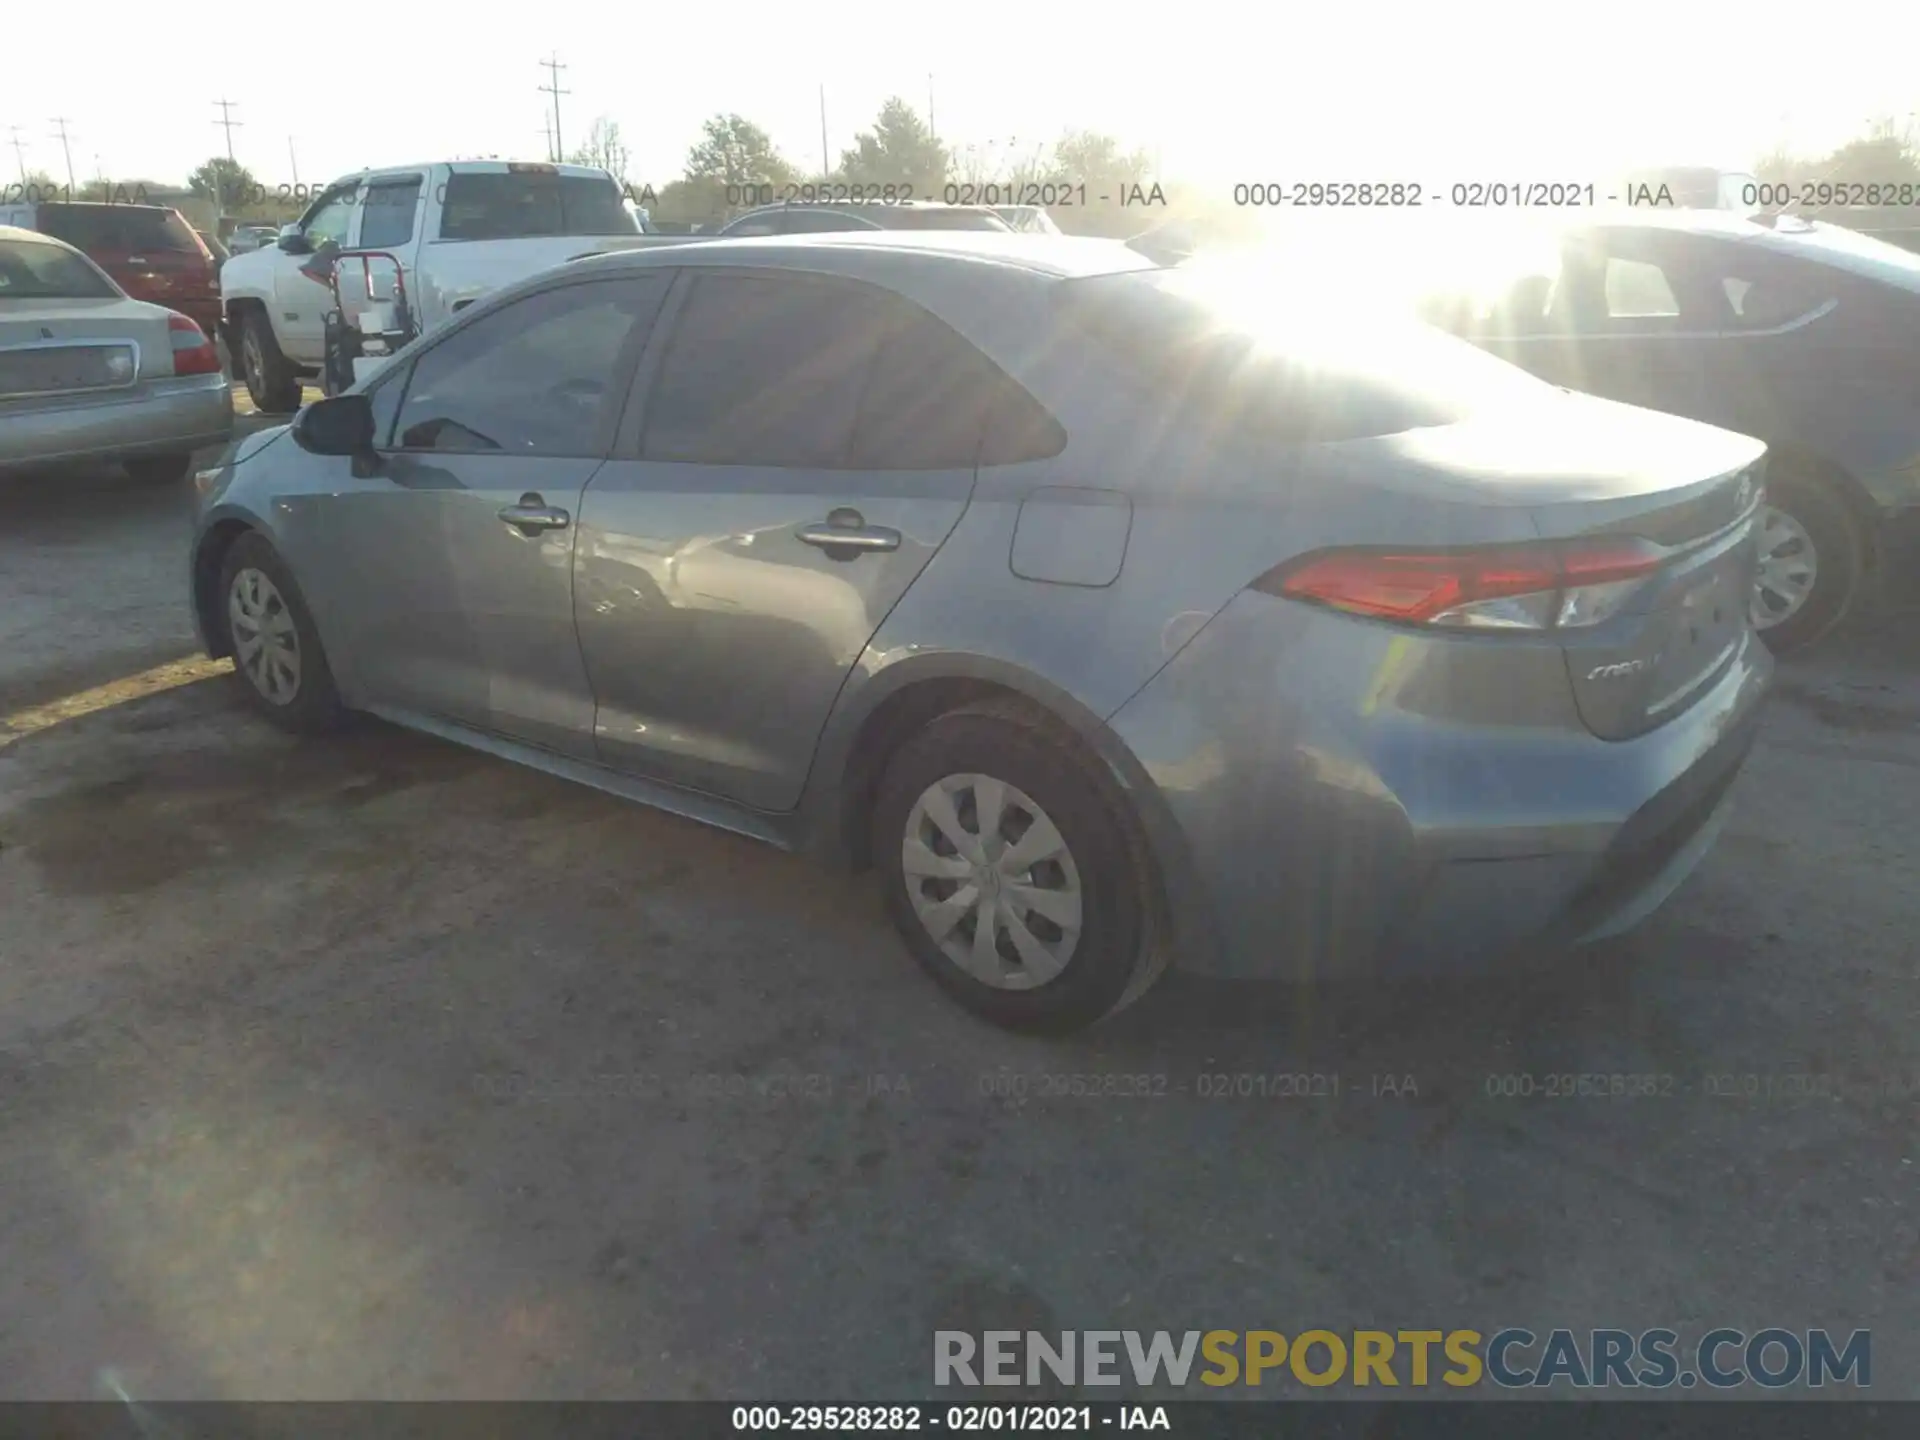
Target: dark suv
149,250
858,215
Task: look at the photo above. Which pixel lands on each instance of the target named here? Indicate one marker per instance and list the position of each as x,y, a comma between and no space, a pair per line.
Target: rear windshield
35,270
119,229
1303,367
520,205
901,218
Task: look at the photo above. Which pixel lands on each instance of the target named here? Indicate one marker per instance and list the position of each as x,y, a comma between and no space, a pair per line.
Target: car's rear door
802,447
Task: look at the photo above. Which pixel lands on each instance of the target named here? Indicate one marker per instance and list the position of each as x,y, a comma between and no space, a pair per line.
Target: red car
152,252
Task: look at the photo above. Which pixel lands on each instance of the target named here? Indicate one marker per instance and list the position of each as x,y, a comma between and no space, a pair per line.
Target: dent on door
718,625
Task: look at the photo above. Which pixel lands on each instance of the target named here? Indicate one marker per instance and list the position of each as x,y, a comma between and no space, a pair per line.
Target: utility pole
295,163
65,148
826,165
225,122
933,130
552,87
20,155
546,129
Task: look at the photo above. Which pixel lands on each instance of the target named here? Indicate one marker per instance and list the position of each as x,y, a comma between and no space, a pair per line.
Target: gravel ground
376,1068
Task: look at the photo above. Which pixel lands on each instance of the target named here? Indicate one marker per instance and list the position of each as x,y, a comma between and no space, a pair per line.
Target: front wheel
1812,557
1012,872
272,383
277,657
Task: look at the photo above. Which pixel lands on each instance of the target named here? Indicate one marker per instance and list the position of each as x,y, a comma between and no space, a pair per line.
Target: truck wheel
272,383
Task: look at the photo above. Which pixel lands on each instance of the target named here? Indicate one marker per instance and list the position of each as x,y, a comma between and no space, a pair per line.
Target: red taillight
1534,587
193,352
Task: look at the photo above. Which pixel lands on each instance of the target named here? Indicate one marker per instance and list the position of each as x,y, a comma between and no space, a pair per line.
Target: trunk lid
53,347
1591,469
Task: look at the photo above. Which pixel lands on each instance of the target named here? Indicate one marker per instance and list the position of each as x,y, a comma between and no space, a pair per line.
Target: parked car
1112,613
87,373
459,230
150,250
787,219
1804,335
248,238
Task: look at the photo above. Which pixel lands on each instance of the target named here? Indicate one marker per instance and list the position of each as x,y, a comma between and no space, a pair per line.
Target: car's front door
300,303
453,561
808,444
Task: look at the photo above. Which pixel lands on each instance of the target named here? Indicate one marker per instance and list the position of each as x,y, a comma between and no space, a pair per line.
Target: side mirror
293,241
338,425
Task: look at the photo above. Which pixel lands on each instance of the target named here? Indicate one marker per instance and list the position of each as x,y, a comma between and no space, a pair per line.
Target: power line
65,148
553,68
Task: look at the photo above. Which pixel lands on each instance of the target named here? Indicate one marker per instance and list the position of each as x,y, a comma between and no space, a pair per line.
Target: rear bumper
164,417
1337,807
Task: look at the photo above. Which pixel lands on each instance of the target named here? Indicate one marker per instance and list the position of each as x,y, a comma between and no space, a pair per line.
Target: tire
310,704
159,469
1117,952
1814,523
272,382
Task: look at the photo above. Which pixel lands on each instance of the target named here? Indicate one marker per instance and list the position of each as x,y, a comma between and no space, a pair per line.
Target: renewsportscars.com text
1511,1358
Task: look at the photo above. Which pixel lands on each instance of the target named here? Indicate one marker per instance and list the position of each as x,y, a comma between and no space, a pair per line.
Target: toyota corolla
1117,616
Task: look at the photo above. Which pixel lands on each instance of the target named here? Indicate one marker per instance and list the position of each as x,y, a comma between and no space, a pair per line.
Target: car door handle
532,514
846,530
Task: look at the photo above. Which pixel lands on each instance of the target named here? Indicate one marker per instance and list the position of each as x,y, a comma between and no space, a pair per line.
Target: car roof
1059,256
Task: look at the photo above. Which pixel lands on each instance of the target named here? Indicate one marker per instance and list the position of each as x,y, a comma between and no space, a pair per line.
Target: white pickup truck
458,229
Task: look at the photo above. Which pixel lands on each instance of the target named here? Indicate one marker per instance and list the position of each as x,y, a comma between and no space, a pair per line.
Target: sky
1220,93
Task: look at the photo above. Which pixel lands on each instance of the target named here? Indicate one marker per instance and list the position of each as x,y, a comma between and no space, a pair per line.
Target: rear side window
387,213
121,229
523,204
1638,290
765,370
536,377
933,399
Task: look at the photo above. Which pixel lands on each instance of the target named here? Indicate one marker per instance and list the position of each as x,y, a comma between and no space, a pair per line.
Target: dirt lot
376,1068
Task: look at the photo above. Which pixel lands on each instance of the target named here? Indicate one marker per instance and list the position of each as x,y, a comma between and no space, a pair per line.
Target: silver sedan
1116,615
88,374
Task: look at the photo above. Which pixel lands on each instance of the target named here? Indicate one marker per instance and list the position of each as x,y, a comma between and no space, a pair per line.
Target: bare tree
604,148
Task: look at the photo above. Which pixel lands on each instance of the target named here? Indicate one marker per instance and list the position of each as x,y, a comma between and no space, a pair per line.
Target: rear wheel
159,469
272,383
1812,556
1012,873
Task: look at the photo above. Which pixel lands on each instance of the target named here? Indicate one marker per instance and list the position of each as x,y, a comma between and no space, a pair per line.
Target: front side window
535,377
1638,290
330,218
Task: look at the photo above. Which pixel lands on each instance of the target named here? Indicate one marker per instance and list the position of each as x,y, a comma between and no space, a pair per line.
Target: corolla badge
1614,672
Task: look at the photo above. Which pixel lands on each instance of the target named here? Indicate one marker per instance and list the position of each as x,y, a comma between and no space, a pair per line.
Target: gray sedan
1113,614
88,374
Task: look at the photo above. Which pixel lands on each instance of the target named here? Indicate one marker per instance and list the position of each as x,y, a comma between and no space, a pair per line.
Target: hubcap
1789,569
255,364
992,881
266,643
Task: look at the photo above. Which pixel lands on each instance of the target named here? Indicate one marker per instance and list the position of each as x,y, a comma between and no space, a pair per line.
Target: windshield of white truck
518,205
